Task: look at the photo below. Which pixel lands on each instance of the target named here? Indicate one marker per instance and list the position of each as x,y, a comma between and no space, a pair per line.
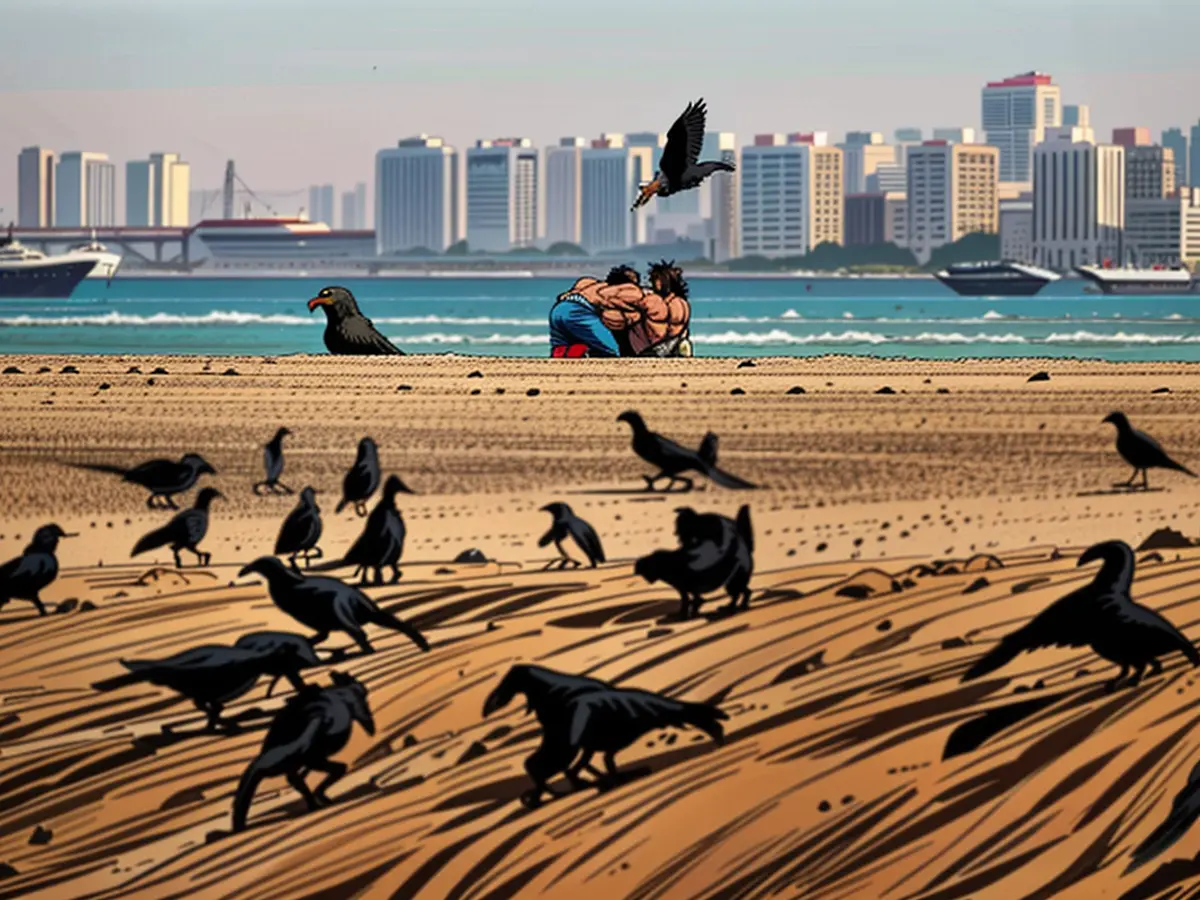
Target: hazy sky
301,91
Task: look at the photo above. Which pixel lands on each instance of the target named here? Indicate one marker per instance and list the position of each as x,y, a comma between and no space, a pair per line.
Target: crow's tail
706,718
1000,655
135,675
100,467
328,566
159,537
1181,818
1179,467
744,529
708,450
342,504
387,620
714,166
728,479
245,793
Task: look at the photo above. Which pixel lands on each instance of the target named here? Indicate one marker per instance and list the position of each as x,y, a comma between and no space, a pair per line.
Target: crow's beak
318,301
646,194
492,703
69,534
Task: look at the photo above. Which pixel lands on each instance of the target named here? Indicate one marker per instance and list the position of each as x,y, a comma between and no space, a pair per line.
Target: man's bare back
648,317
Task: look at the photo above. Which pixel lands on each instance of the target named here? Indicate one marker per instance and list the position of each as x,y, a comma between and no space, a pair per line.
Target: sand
842,682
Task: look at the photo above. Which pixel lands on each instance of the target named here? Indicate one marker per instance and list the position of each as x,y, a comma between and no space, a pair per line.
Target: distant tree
976,247
526,251
565,248
755,263
459,248
413,251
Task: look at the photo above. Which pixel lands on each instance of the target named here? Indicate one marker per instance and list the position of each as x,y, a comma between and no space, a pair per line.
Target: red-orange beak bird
680,169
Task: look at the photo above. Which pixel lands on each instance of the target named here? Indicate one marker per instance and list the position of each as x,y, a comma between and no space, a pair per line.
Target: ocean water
507,316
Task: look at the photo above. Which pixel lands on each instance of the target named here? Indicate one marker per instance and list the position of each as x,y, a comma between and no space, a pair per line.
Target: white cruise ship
1131,280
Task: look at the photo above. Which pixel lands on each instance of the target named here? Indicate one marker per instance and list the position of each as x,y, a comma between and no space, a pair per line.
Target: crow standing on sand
283,655
671,459
26,576
163,478
326,604
361,479
716,552
184,532
301,530
680,168
1101,614
381,543
568,525
1185,809
273,465
1141,451
314,725
584,716
347,331
212,676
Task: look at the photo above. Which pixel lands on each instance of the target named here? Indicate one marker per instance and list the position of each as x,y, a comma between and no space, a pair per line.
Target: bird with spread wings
680,168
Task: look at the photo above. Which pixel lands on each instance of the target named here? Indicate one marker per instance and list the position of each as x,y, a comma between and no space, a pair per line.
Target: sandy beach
909,515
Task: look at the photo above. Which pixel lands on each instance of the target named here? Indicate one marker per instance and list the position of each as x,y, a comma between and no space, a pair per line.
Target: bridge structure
167,246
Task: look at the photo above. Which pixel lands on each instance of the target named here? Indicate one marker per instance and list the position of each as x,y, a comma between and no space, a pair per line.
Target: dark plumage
163,478
1102,615
381,543
1185,809
273,465
584,716
568,525
326,604
671,459
680,168
314,725
1141,451
361,479
26,576
212,676
715,552
347,331
184,532
301,530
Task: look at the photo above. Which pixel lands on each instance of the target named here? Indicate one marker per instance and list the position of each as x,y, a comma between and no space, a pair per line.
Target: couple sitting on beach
618,317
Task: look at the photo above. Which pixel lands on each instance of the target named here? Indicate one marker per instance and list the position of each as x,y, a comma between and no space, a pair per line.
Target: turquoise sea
507,316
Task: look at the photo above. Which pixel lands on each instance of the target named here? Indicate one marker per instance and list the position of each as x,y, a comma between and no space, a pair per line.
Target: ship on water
1004,278
1111,279
29,273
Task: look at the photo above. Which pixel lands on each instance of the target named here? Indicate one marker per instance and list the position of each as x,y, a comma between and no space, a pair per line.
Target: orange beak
319,301
646,194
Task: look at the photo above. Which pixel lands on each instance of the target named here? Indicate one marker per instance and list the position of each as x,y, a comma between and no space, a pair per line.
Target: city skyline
339,83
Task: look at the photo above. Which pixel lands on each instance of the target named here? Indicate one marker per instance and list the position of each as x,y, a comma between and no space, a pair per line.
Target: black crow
584,716
212,676
717,552
301,530
671,459
273,465
1102,615
163,478
381,543
26,576
1141,451
361,479
314,725
283,655
184,532
1185,809
347,331
680,168
326,604
567,524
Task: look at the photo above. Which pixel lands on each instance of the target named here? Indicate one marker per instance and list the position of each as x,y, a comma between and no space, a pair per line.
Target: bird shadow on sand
1119,490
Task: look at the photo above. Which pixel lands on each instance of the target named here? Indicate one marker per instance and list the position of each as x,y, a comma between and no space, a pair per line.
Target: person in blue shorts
576,327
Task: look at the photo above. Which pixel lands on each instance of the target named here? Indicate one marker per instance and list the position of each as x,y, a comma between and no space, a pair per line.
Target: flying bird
1185,809
26,576
1103,615
314,725
347,331
184,532
584,716
273,465
301,530
163,478
361,479
680,168
568,525
1141,451
671,459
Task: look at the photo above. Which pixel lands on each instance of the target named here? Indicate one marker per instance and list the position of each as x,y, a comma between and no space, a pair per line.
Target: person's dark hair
623,275
671,274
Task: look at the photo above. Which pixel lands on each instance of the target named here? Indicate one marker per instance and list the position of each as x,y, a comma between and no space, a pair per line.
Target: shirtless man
576,325
657,321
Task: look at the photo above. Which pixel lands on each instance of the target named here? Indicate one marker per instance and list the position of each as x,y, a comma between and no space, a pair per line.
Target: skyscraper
84,190
350,214
139,193
791,196
955,135
360,205
563,184
320,204
1178,142
952,192
904,138
1074,115
1193,168
723,193
1016,113
1078,200
863,159
610,172
416,196
1133,136
35,188
158,191
1149,172
502,194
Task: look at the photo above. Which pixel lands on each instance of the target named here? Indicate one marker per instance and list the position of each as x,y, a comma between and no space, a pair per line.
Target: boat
25,272
106,262
1134,280
996,278
282,242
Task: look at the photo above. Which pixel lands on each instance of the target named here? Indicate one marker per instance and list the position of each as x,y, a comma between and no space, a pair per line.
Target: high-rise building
887,178
320,204
1149,172
904,138
1078,200
962,135
139,193
354,208
876,218
861,138
1075,115
158,191
791,196
416,196
502,195
563,183
862,160
1016,228
84,190
722,191
610,172
1178,142
1016,113
1193,170
1135,136
1164,230
35,188
952,192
